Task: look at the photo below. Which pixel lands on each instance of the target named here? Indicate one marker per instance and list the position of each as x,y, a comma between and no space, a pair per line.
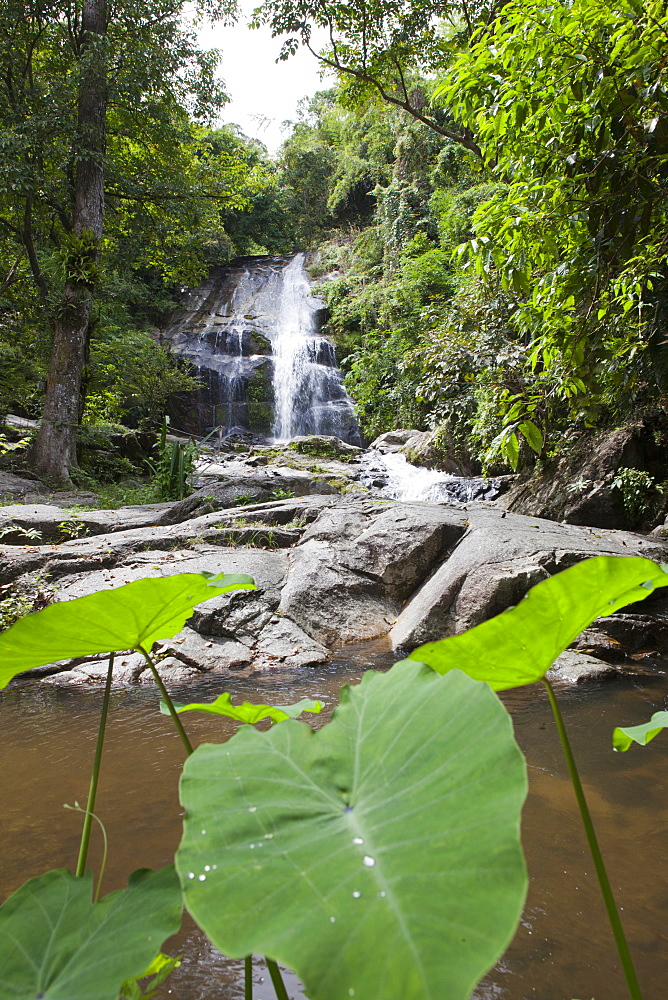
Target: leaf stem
603,880
277,979
92,789
248,977
168,701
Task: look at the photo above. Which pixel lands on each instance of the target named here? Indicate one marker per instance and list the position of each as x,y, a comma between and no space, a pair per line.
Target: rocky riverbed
334,562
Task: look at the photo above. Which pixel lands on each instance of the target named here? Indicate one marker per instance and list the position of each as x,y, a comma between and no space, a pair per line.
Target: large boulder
392,442
580,486
437,449
499,559
359,560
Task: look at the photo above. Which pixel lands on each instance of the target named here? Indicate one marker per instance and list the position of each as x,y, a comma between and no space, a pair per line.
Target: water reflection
563,948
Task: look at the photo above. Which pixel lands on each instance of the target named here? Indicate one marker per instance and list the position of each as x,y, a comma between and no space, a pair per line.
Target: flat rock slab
248,526
268,569
58,524
222,487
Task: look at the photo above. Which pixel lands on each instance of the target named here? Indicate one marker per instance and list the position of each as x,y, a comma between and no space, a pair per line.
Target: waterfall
252,334
309,397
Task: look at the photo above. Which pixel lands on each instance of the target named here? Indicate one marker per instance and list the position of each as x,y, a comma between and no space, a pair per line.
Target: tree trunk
54,453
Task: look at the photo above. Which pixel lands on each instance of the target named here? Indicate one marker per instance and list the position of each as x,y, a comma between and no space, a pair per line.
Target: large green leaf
247,711
378,857
137,614
55,944
520,645
622,738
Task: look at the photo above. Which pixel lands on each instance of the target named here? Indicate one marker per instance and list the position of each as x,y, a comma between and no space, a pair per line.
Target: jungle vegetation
485,187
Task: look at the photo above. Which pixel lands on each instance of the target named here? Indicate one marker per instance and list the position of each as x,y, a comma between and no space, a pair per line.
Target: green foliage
570,108
172,183
622,738
173,467
519,646
159,969
641,495
131,617
56,944
247,712
132,376
360,836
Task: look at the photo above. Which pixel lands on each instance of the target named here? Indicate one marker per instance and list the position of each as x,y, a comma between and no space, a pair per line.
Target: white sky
264,94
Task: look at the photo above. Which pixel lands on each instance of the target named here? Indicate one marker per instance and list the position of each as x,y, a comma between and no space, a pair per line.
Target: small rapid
397,479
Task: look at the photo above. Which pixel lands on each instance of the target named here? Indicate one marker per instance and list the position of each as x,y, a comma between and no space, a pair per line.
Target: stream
563,948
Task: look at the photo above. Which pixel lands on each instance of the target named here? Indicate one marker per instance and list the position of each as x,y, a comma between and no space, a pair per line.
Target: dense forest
484,190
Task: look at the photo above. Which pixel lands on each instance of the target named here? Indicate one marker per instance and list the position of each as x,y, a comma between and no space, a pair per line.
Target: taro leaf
56,944
377,857
247,712
137,614
159,970
520,645
643,734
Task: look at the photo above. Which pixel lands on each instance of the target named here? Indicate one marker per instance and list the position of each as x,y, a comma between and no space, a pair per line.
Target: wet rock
204,652
578,668
171,671
627,634
284,643
392,441
438,450
127,670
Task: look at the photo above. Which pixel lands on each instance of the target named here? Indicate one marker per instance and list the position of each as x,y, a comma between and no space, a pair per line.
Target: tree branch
461,140
29,245
11,274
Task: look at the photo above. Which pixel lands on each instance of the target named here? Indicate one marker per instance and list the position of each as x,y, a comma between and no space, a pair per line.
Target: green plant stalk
168,702
274,971
92,790
603,880
248,977
277,979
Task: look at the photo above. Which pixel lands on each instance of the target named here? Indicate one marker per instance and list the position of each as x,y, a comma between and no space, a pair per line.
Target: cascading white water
398,479
308,395
251,332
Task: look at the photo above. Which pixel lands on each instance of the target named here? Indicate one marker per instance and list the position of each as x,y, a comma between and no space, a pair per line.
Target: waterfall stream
252,333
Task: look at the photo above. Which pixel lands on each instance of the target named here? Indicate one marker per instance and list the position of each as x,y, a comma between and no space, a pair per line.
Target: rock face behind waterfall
252,332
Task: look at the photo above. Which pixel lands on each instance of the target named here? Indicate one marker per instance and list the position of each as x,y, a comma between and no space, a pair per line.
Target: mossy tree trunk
54,453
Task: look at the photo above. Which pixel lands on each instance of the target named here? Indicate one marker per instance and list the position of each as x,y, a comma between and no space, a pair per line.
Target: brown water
563,948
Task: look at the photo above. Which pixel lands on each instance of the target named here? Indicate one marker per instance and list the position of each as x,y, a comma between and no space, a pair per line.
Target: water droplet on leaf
368,862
